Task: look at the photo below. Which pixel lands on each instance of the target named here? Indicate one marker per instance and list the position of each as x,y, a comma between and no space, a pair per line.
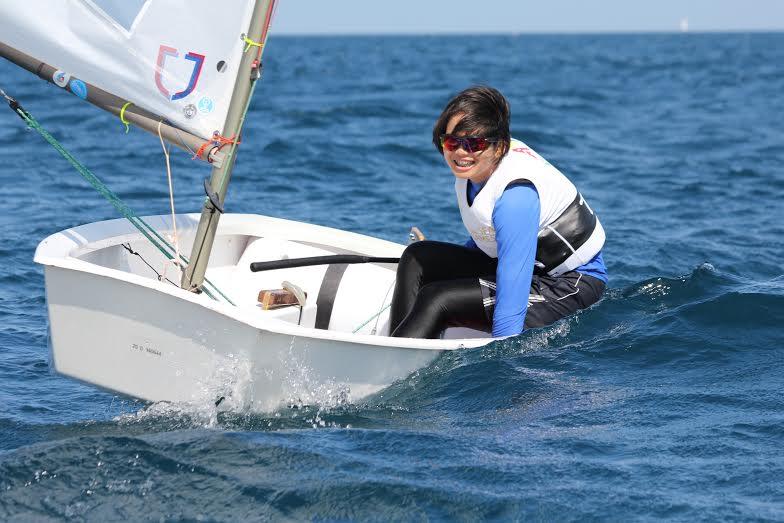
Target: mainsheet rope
175,261
182,143
146,229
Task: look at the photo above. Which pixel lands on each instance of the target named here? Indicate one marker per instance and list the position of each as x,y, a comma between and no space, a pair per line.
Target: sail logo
61,78
206,105
198,61
78,88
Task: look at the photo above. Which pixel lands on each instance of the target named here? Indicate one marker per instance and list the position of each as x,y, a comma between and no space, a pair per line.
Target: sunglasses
470,144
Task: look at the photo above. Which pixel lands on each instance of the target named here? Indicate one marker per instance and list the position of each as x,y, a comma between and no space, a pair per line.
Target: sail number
138,347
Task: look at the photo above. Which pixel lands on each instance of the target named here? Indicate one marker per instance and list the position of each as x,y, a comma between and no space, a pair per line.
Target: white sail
176,58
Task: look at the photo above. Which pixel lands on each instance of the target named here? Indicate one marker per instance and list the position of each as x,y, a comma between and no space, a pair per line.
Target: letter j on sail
198,62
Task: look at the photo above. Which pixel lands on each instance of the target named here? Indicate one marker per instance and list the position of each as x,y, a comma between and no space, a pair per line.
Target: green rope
151,234
376,315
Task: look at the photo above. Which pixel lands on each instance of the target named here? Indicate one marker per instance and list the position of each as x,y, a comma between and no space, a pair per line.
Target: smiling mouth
464,164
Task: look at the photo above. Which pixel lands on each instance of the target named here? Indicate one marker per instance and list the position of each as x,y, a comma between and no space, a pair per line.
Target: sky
524,16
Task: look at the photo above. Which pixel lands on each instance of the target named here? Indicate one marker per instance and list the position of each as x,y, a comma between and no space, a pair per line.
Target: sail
178,59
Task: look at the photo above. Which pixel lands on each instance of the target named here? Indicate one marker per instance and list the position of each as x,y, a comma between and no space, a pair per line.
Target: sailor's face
476,166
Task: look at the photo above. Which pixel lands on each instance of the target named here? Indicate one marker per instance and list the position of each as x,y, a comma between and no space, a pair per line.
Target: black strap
327,294
213,196
576,224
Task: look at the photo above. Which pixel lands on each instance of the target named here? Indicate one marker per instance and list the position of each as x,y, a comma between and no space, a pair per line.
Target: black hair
485,112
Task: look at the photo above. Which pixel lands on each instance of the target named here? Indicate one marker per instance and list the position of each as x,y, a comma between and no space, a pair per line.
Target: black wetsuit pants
442,285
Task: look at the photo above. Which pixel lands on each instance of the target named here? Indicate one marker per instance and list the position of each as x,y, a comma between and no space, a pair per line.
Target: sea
664,401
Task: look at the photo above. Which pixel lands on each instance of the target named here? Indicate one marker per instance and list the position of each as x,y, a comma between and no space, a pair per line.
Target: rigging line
255,74
7,98
161,277
179,136
376,315
143,227
217,141
182,259
271,9
265,28
168,122
233,150
176,260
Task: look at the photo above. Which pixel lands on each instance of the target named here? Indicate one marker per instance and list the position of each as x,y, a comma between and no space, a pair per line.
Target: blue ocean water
663,401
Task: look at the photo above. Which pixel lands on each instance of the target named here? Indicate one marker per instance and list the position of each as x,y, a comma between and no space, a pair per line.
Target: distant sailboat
684,25
185,70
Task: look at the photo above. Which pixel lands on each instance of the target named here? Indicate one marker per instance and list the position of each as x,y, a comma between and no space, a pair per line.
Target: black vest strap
565,235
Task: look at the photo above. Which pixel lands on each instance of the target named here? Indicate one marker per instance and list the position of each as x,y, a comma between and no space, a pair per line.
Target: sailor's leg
553,298
428,261
442,304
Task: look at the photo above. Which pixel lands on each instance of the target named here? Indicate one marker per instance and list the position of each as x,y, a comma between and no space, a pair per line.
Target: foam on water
302,387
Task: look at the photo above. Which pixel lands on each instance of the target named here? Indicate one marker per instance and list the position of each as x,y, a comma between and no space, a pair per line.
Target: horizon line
597,32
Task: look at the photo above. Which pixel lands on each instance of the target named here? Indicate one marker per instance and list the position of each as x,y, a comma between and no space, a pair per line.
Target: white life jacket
570,234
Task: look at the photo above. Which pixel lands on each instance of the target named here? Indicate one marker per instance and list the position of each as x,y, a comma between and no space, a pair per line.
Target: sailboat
263,311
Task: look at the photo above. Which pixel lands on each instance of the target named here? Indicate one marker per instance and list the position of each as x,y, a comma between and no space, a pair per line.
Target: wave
655,325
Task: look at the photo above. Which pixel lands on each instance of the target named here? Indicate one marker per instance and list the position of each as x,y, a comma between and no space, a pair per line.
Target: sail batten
168,57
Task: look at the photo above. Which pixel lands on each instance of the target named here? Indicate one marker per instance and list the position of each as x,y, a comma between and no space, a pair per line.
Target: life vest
570,234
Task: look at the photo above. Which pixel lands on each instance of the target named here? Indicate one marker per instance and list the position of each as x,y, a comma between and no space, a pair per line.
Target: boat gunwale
57,250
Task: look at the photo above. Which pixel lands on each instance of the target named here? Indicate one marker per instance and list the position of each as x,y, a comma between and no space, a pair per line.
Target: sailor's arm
516,223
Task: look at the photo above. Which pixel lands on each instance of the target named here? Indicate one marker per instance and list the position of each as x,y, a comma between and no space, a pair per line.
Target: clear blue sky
524,16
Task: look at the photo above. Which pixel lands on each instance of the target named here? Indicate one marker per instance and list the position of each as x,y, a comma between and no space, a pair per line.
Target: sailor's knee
417,250
416,256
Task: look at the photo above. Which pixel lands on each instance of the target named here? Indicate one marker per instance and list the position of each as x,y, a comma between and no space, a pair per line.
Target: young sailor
534,255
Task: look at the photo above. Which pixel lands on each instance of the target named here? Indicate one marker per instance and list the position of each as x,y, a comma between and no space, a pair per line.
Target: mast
217,186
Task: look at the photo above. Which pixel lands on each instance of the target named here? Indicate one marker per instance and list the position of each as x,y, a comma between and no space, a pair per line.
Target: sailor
534,252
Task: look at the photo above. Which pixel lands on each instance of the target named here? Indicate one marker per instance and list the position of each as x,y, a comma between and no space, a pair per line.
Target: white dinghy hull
115,325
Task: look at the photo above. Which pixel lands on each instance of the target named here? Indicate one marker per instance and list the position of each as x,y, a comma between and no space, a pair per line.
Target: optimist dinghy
115,324
127,310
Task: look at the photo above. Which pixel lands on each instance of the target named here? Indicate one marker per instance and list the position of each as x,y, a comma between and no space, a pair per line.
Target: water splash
303,386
